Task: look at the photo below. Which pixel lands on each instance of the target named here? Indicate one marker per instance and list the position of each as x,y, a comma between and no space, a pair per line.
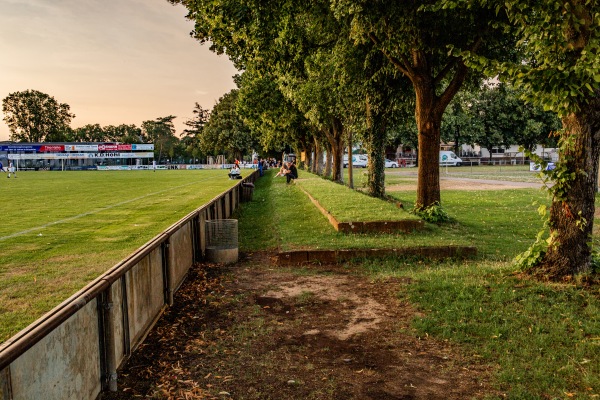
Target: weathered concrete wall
202,229
145,295
71,351
118,308
4,384
181,254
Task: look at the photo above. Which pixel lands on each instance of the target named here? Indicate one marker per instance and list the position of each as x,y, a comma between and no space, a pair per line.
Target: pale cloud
112,61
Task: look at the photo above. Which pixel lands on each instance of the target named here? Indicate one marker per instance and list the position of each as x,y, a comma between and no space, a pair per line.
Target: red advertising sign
52,148
121,147
108,147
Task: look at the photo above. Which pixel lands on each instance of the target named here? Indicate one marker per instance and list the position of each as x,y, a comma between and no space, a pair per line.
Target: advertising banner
77,156
143,146
52,148
81,147
21,147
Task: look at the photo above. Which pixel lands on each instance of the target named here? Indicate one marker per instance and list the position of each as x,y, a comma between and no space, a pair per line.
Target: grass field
61,230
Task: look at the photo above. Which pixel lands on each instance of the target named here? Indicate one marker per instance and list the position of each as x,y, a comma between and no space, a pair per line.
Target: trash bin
247,191
222,240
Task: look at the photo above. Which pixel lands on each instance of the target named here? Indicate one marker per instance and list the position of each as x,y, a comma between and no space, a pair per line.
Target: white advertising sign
81,147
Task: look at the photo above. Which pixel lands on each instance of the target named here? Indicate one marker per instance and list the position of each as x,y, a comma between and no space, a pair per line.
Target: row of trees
317,71
33,116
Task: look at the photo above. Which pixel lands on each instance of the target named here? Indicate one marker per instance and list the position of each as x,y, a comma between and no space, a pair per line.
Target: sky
112,61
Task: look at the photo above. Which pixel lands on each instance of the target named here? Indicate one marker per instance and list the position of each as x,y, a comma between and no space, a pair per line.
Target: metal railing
74,351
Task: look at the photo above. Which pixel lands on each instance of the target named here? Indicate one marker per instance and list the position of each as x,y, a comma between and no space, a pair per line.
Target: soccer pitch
61,230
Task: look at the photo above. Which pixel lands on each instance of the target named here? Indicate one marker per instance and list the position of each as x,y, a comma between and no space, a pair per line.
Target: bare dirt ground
447,183
255,331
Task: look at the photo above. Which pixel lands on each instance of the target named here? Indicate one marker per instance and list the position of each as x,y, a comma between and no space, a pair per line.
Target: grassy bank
499,223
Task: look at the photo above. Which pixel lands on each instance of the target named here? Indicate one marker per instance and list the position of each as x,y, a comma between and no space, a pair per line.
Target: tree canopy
225,132
32,116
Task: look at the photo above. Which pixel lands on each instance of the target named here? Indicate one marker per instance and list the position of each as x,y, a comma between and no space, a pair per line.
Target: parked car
358,161
390,164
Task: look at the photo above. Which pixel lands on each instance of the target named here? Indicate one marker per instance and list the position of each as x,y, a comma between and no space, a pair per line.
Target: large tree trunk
416,65
335,138
376,135
307,150
318,157
327,172
350,168
428,115
572,217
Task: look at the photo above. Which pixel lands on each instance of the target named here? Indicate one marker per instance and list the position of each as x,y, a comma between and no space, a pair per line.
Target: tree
124,133
560,40
89,133
162,133
416,39
225,132
274,121
496,117
191,138
31,116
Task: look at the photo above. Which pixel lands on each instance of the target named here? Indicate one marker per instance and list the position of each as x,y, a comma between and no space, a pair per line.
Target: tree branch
453,61
459,76
403,65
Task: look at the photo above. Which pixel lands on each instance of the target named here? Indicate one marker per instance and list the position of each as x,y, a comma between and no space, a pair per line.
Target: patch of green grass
348,205
499,223
64,229
545,339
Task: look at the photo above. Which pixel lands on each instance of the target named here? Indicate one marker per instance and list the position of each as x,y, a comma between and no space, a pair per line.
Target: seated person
235,172
283,171
292,172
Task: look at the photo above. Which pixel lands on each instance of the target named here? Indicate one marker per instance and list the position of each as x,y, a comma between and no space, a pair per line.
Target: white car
390,164
358,161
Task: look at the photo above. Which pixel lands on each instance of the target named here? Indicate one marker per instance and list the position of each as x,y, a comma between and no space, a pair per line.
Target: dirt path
450,183
254,331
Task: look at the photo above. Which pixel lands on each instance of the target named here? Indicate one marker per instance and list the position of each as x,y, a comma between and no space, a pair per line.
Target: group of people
234,173
10,170
289,170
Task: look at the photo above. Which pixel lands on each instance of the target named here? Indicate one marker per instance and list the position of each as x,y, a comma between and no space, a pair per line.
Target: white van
448,158
358,161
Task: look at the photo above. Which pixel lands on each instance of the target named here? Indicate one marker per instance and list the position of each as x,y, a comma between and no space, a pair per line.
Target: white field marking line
37,228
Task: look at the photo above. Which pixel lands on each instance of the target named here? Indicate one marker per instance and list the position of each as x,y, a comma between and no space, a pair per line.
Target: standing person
260,167
2,167
11,169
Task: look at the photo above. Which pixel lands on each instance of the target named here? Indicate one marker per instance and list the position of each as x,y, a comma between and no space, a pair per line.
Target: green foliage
534,254
496,117
435,213
161,132
32,116
226,132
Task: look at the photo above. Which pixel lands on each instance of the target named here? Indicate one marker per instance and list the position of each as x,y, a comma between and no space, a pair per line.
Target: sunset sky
112,61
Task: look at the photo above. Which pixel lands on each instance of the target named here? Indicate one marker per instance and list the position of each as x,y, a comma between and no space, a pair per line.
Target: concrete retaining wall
73,351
